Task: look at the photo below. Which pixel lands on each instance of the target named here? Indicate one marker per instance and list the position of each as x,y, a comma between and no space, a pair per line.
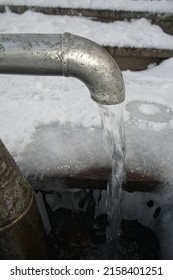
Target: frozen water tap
64,55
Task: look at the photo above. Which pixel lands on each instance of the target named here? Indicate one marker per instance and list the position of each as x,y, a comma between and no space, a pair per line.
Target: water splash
113,127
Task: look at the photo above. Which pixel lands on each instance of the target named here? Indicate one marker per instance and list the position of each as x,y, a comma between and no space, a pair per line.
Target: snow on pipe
64,55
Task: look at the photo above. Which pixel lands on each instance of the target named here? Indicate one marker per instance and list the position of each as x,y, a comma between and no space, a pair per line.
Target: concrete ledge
137,58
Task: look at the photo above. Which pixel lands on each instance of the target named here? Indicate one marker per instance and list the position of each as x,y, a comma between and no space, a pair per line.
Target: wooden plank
93,179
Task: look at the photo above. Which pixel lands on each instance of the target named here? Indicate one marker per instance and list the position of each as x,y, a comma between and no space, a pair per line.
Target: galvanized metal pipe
64,55
21,231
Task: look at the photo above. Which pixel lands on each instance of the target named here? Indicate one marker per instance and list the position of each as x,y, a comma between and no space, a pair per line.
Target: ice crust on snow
127,5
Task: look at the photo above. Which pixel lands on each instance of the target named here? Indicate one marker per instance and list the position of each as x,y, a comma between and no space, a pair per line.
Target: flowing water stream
80,228
113,129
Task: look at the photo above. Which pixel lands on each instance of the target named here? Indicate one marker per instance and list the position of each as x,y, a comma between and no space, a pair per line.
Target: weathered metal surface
134,59
64,55
21,231
15,191
24,239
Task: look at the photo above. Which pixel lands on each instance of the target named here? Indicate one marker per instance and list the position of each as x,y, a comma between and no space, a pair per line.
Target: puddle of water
113,129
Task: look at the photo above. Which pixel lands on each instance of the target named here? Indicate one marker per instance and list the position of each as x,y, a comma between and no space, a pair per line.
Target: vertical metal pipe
22,234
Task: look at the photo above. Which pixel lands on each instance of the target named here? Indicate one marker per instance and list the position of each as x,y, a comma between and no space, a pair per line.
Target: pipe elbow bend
64,54
92,64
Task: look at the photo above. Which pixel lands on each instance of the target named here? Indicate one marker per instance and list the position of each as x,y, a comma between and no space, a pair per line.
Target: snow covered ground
37,111
128,5
51,126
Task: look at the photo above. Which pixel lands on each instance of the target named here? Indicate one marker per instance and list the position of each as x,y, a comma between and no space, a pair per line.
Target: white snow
51,126
151,129
137,33
128,5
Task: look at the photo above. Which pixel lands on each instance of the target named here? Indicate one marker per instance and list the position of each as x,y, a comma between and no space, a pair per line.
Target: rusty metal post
22,234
